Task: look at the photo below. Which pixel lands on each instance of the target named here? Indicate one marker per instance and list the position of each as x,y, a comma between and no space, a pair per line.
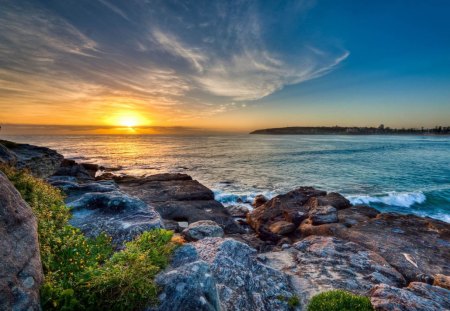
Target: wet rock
323,215
179,198
202,229
318,264
238,210
355,214
282,227
441,281
231,278
40,161
259,200
20,264
416,297
121,216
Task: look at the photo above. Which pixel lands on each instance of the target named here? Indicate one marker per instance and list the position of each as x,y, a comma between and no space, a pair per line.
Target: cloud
74,62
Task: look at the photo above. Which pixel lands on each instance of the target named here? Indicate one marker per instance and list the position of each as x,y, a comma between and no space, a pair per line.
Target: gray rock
179,198
42,162
318,264
323,215
238,210
121,216
239,281
416,297
188,287
7,156
20,263
80,171
202,229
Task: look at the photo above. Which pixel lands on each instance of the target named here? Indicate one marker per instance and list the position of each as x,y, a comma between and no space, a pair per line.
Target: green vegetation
81,273
339,300
292,301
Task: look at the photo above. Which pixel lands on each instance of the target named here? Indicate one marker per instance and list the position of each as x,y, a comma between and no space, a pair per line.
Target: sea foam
401,199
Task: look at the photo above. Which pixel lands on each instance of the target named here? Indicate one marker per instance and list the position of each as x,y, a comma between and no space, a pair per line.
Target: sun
128,121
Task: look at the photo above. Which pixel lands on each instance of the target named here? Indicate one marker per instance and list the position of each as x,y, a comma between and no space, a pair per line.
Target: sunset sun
128,121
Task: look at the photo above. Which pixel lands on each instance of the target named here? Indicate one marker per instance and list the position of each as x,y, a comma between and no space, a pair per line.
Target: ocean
405,174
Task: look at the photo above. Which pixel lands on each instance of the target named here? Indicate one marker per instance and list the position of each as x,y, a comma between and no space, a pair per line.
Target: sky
142,66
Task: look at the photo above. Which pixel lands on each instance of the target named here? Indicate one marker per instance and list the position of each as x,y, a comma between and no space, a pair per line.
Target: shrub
79,273
127,279
339,300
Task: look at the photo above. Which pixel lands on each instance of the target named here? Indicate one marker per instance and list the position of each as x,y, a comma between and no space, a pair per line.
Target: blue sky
226,64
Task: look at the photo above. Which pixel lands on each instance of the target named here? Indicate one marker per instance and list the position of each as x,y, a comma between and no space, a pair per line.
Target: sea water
405,174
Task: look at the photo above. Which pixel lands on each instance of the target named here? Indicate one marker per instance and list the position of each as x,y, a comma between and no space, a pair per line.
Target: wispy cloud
171,61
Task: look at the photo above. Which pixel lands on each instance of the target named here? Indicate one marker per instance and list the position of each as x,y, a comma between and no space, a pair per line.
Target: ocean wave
227,198
401,199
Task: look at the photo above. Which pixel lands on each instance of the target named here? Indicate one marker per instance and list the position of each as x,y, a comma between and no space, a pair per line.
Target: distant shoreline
338,130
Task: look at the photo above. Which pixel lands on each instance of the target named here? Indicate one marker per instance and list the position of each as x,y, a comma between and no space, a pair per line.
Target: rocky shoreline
298,244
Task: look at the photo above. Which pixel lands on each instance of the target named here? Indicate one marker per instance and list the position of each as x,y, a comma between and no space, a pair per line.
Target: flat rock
202,229
40,161
317,264
413,245
179,198
20,263
115,213
416,297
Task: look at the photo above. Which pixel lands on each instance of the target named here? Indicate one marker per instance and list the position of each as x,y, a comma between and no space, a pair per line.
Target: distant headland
342,130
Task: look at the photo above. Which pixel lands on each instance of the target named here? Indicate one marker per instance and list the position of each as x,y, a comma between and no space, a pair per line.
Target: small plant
292,301
81,273
339,300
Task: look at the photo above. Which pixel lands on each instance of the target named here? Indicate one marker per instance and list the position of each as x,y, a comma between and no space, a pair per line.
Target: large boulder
179,198
20,263
241,281
317,264
202,229
416,297
83,171
42,162
294,207
115,213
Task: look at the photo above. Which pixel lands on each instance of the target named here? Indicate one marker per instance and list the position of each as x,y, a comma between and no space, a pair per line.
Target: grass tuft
339,300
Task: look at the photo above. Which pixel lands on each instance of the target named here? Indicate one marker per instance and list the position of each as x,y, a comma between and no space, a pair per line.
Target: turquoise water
407,174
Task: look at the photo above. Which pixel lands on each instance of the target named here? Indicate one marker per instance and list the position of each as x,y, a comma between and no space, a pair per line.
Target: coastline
324,230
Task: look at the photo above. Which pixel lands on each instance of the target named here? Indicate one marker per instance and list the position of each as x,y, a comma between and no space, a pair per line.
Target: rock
121,216
179,198
282,227
441,281
238,210
202,229
42,162
317,264
413,245
80,171
188,287
259,200
7,156
291,207
20,264
416,297
355,214
323,215
334,199
231,274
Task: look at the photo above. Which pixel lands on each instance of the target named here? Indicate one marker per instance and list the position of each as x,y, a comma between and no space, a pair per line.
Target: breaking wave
400,199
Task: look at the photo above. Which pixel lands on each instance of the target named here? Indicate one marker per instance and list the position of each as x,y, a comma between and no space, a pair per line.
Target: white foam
401,199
